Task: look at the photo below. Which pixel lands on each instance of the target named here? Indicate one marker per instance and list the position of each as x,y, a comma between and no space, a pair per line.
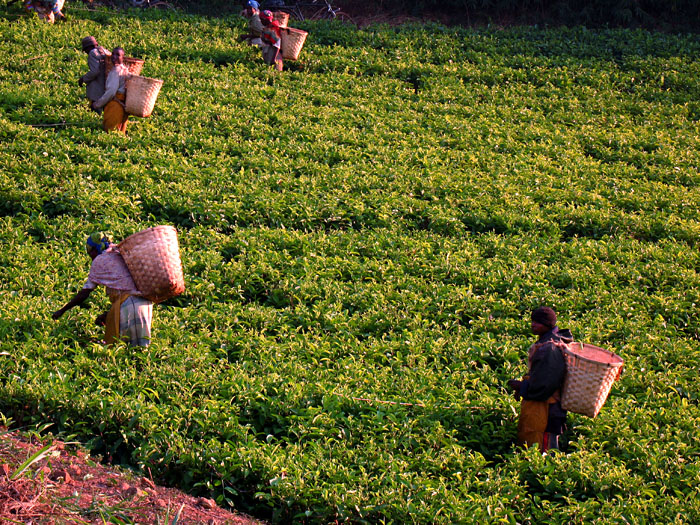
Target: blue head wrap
99,241
253,4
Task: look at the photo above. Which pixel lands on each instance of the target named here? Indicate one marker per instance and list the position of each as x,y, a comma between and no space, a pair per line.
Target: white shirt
116,83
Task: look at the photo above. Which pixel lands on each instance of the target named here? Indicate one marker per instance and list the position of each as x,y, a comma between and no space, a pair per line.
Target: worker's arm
94,66
77,300
111,87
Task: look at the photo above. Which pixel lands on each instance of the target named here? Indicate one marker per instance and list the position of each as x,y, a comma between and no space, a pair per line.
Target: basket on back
134,65
292,42
281,17
590,373
153,259
141,95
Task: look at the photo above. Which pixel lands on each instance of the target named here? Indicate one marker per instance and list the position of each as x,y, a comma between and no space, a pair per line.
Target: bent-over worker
129,318
115,116
542,419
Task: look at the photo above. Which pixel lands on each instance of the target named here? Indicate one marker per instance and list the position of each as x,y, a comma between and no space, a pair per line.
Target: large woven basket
292,42
153,259
590,373
281,17
134,65
141,95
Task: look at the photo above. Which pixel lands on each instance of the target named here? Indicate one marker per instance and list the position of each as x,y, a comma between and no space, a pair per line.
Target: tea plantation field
363,238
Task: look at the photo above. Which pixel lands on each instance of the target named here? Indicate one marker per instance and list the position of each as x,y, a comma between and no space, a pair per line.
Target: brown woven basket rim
145,231
131,60
617,364
155,80
295,30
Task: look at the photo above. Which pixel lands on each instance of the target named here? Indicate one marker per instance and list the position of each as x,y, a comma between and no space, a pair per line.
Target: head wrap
545,315
89,41
253,4
266,15
99,241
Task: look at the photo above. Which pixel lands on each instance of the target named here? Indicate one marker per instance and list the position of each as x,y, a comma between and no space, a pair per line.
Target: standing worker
272,40
542,419
129,318
115,116
255,27
95,77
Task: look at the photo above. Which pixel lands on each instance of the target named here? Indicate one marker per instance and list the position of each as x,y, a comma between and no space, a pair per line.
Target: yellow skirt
112,320
115,116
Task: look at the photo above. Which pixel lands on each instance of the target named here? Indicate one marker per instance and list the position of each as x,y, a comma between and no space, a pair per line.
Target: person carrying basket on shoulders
542,419
94,79
115,117
272,40
129,318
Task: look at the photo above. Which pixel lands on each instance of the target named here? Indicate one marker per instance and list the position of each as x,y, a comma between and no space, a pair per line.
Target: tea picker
542,418
562,376
94,79
126,92
48,10
272,40
115,117
142,270
255,27
130,314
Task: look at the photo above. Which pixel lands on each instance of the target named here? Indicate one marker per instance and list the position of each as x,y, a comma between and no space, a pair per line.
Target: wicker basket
153,259
281,17
590,373
141,95
292,42
134,65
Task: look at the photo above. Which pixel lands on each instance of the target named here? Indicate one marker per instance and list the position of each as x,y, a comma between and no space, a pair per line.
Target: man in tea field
94,79
115,116
272,40
542,419
255,27
129,318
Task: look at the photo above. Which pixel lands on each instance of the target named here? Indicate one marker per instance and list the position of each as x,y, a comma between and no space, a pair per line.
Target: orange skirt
533,422
115,116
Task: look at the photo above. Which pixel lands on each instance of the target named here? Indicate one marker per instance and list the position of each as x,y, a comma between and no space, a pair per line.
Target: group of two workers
107,95
542,419
265,32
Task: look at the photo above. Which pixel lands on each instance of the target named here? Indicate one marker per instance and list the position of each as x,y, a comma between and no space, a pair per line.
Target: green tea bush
363,238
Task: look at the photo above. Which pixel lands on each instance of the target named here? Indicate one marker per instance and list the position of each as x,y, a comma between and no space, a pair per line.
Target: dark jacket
547,366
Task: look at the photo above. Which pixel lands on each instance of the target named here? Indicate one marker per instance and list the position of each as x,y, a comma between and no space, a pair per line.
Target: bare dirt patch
65,485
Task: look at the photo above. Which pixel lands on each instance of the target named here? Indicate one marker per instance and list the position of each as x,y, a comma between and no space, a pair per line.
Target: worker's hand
57,314
92,105
514,384
81,82
101,319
